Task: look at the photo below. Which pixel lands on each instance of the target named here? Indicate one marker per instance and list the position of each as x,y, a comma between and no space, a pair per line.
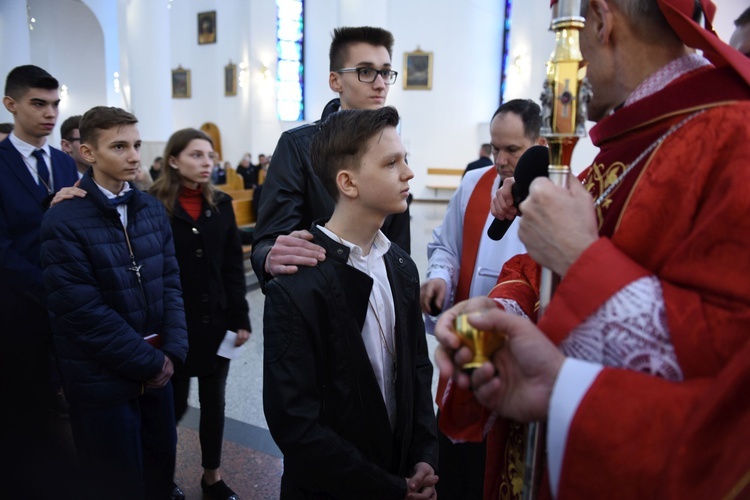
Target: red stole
475,218
474,221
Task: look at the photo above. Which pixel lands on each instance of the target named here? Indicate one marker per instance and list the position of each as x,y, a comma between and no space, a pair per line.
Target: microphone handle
498,228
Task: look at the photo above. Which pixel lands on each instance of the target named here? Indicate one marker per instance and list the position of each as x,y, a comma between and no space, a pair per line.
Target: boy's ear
87,153
334,82
347,184
9,104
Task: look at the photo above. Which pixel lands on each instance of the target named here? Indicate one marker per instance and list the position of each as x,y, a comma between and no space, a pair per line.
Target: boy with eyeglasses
293,196
71,139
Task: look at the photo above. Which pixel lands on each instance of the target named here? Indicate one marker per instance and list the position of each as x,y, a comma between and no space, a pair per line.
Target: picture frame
180,83
417,70
230,79
206,27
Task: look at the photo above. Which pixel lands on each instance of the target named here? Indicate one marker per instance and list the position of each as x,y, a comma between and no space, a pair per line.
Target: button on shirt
380,313
27,151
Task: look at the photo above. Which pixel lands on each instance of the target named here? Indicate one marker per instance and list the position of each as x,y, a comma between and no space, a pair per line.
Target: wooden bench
444,178
242,203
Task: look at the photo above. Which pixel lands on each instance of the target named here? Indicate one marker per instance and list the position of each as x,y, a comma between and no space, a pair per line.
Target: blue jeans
127,451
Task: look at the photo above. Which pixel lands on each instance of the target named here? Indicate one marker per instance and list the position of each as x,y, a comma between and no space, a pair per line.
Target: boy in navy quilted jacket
117,316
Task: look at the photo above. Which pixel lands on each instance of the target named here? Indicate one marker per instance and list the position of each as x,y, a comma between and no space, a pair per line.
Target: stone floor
251,462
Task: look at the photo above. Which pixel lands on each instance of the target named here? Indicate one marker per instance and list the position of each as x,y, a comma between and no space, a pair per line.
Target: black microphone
533,163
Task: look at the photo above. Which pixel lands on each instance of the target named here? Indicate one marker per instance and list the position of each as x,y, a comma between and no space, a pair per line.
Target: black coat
294,197
212,274
322,402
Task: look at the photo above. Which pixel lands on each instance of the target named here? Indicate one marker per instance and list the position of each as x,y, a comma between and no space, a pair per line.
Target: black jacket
98,309
212,274
322,402
294,197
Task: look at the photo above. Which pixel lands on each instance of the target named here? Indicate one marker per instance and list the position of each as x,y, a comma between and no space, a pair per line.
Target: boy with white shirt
347,379
117,315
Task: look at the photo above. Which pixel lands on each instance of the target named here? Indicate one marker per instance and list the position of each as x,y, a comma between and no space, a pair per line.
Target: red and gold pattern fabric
680,215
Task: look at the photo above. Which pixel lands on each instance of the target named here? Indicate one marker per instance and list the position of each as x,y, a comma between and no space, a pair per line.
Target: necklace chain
635,162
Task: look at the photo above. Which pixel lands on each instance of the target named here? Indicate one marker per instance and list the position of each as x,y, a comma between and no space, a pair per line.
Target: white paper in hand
227,348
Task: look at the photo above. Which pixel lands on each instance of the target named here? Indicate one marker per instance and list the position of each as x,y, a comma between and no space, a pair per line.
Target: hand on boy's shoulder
68,193
293,250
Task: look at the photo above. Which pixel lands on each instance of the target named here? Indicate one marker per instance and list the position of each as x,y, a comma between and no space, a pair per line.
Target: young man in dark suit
30,171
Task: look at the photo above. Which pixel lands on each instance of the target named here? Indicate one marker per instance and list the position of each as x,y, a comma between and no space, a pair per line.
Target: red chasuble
682,215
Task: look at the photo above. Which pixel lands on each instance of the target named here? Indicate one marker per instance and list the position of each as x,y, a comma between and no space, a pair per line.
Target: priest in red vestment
652,439
655,277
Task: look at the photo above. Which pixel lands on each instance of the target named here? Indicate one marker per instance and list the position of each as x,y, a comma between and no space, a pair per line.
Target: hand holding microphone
532,164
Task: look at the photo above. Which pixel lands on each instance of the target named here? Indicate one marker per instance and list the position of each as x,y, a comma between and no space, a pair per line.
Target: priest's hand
558,223
290,251
518,383
451,355
502,203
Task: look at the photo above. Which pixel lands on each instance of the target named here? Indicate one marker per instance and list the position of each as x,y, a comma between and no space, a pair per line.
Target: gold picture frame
206,27
180,83
417,70
230,79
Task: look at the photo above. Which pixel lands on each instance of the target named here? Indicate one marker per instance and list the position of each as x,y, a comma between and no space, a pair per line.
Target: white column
145,71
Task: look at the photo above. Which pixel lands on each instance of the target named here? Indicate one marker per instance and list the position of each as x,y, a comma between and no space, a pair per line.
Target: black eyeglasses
369,75
73,139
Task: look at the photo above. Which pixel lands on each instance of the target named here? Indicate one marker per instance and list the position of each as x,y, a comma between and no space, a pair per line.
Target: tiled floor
251,463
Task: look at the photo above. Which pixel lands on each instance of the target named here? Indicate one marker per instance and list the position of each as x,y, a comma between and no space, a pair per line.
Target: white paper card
227,348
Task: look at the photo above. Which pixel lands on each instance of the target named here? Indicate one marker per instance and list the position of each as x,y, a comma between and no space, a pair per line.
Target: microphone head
533,163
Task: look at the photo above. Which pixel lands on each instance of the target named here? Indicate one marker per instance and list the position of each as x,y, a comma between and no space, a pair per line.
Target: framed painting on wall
180,83
417,70
206,27
230,79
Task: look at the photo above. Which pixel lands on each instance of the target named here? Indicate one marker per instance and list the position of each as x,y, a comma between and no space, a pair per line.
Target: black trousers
211,394
461,469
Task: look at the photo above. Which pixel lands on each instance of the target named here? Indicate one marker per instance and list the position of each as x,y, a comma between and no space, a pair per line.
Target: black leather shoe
177,493
218,491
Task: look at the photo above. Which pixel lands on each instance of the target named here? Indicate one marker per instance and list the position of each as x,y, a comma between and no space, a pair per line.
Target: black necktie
42,171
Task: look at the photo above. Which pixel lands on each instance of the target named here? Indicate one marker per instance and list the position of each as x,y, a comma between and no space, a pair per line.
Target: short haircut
69,125
487,149
6,128
528,111
345,37
743,19
23,78
341,141
101,118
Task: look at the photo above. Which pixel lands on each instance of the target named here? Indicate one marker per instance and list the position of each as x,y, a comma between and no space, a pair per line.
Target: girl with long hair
207,244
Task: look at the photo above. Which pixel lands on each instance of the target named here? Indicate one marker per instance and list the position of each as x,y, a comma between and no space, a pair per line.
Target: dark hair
168,186
101,118
487,149
743,19
342,138
344,37
528,111
69,125
6,128
23,78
